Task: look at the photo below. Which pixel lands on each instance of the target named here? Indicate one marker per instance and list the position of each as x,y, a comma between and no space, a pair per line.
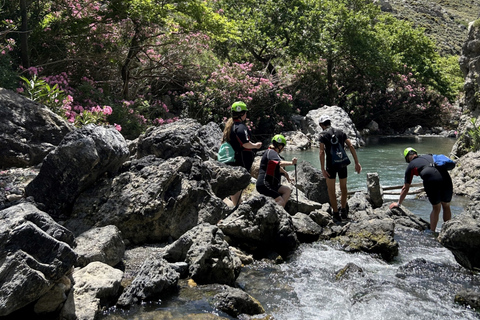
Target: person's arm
403,194
251,145
358,167
284,163
322,160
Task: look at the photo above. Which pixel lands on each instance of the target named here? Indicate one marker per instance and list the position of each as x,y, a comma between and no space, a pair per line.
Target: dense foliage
136,63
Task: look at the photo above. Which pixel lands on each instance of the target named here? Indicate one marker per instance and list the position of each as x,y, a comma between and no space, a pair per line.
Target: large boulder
340,120
80,159
312,182
186,137
28,130
461,235
154,199
465,174
207,254
35,254
259,225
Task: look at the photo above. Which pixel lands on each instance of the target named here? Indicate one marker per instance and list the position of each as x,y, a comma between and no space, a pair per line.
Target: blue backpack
441,161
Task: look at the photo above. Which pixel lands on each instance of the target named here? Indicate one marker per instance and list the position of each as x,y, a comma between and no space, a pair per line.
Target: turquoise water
384,155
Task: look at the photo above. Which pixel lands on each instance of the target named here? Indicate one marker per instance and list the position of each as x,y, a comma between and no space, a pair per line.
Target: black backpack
337,151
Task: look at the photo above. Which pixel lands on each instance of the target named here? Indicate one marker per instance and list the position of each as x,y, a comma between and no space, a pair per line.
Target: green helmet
407,151
239,106
279,139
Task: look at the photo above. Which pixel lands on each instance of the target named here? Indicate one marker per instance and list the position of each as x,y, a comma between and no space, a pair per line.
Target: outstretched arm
358,167
403,194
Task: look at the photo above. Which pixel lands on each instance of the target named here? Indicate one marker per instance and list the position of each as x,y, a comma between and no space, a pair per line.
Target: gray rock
208,255
371,236
235,302
153,201
461,235
307,229
28,130
374,190
80,159
339,119
35,253
186,138
96,286
468,298
312,182
465,176
260,225
100,244
155,280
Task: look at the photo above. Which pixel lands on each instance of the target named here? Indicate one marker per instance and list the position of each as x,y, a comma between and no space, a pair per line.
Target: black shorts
342,173
245,159
439,191
268,191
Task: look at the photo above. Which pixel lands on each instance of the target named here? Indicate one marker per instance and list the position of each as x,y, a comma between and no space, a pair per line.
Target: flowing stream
420,283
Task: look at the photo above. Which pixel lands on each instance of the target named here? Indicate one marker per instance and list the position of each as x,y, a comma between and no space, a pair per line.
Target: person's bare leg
285,192
280,201
343,189
447,213
332,194
236,197
434,216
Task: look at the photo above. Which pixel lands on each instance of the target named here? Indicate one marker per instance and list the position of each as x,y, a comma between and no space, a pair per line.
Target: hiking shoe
336,217
344,212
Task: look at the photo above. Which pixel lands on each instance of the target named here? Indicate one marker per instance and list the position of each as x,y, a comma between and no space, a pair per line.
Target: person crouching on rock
271,169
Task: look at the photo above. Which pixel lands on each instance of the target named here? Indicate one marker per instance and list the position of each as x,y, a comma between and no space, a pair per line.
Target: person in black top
237,133
436,182
271,170
329,170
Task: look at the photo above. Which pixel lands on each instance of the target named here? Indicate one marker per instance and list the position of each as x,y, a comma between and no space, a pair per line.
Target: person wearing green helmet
436,182
270,172
238,135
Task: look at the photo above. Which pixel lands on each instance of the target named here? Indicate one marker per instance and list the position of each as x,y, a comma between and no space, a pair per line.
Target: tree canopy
152,61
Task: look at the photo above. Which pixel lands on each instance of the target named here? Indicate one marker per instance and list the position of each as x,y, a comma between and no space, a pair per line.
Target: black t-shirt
422,166
239,135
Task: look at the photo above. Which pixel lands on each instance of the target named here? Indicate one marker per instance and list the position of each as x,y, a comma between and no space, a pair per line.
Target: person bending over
436,182
271,169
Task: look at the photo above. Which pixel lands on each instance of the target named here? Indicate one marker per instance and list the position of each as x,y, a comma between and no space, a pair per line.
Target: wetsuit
325,137
238,137
268,181
437,182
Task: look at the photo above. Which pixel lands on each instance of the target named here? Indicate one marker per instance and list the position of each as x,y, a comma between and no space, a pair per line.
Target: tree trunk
24,34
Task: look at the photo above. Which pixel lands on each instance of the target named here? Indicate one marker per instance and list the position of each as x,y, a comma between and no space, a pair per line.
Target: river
305,287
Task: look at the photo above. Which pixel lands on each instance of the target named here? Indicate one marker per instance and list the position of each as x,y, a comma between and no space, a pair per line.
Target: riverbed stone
235,302
372,236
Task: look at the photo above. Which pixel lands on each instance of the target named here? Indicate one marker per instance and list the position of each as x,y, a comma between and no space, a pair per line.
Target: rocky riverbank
104,222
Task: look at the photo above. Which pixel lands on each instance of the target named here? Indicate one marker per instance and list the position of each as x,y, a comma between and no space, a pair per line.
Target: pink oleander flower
107,110
118,127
